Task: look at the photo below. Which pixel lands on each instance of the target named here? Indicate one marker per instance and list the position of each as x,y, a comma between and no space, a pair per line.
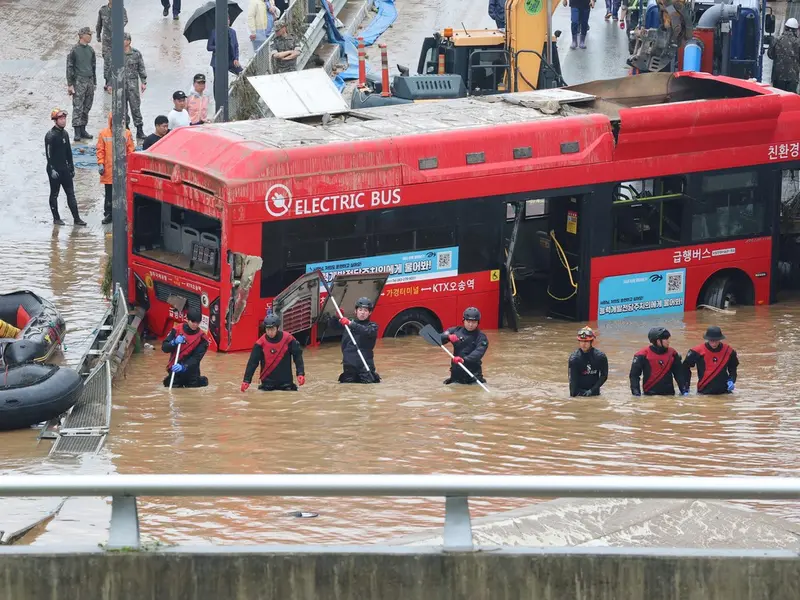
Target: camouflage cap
126,36
85,31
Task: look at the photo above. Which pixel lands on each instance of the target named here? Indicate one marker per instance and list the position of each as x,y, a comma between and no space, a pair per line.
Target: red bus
643,196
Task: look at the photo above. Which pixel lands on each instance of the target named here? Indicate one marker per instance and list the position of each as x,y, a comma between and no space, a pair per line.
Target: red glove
344,321
458,360
301,379
622,24
453,338
245,385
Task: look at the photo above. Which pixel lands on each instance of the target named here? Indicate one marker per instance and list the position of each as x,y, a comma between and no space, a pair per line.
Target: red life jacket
660,365
192,340
713,367
273,352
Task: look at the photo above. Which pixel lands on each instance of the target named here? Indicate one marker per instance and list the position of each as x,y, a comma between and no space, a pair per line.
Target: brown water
411,423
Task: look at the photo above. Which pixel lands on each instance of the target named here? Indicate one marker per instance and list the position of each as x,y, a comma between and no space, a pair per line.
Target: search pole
549,47
221,58
119,212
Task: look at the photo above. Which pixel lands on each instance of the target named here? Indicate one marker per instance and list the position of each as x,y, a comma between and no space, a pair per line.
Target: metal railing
243,100
456,489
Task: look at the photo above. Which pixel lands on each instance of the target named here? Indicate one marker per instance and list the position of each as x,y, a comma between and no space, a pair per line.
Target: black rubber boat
30,394
31,328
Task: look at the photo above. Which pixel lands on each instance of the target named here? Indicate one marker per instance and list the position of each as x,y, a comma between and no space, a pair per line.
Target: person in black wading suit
193,344
469,346
658,364
60,168
365,333
274,352
588,366
716,364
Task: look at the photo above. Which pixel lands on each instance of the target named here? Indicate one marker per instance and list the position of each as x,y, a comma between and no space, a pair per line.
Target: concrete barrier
410,574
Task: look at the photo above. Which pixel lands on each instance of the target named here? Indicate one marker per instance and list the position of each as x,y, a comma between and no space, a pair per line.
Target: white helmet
791,23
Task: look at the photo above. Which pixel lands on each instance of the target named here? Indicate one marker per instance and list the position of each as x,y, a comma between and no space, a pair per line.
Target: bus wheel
411,322
730,289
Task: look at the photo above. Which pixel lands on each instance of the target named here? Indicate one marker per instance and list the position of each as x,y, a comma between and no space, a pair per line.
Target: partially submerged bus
639,196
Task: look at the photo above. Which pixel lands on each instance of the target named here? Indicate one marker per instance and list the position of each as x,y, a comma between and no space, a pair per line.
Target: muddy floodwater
411,423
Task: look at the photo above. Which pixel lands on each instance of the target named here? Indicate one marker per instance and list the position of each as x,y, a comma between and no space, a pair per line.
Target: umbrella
203,21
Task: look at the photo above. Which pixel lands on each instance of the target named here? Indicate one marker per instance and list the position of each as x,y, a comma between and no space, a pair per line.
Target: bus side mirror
769,23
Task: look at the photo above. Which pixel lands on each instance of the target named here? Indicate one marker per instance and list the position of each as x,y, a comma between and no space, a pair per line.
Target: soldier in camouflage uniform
134,71
284,50
785,55
104,35
82,81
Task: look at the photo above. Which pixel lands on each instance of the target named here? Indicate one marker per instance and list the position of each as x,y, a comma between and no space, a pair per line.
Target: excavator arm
526,39
657,49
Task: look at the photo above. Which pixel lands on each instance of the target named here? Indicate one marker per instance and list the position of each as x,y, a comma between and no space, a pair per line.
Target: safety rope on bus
562,256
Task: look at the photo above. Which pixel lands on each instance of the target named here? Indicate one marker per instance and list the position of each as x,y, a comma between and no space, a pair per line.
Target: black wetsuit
471,346
191,376
366,334
279,376
715,366
58,151
658,367
588,371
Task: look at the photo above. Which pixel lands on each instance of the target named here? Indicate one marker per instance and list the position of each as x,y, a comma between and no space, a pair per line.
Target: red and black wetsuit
192,352
715,366
274,356
658,367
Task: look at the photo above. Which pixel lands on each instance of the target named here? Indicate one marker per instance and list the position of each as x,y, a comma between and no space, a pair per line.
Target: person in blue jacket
497,11
233,51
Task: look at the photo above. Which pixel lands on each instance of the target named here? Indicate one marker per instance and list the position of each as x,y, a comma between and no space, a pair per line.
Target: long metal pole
119,215
343,485
221,59
549,46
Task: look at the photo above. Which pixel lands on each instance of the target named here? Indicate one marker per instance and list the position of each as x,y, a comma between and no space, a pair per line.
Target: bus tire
410,322
726,290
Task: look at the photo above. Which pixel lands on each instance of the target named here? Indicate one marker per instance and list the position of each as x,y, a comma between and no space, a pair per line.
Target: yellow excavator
456,62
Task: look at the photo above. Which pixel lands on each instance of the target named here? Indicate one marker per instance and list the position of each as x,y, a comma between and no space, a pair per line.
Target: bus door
565,252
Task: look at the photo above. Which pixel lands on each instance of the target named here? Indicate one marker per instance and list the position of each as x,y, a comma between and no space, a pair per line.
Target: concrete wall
410,575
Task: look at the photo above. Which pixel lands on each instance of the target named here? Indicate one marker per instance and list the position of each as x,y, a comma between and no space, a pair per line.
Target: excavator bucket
526,37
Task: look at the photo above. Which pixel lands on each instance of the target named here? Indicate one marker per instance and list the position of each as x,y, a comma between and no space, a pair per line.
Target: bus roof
225,151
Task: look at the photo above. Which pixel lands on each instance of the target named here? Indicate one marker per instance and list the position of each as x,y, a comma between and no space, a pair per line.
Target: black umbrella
203,21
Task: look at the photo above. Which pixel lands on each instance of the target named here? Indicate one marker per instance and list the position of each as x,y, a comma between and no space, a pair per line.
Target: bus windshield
176,236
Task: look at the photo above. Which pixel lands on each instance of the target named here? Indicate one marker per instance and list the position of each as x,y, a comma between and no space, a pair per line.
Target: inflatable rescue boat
31,328
30,394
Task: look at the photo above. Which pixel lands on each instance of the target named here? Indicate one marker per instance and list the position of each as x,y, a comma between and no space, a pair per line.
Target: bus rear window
177,237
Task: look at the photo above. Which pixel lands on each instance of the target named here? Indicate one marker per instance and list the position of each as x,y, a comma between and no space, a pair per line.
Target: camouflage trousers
107,61
82,101
133,101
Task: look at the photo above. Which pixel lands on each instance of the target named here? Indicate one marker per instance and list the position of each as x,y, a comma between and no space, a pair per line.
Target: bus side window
648,213
729,206
790,198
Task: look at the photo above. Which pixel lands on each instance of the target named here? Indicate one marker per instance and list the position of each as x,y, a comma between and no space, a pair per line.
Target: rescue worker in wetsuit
658,365
716,364
588,366
365,333
469,346
193,343
60,167
274,352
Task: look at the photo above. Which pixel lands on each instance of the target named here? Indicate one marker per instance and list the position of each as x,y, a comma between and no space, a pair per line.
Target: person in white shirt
261,14
178,116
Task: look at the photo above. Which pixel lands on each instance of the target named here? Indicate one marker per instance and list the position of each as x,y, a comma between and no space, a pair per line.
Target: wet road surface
66,263
411,423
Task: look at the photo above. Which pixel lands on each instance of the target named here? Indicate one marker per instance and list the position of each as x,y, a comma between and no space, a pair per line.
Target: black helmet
657,333
272,321
193,315
472,314
713,334
364,302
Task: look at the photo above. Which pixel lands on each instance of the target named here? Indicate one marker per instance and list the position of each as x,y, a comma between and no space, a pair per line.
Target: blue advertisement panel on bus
416,265
639,294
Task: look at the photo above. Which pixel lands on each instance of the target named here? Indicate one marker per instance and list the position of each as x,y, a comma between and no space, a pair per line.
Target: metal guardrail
240,93
456,489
